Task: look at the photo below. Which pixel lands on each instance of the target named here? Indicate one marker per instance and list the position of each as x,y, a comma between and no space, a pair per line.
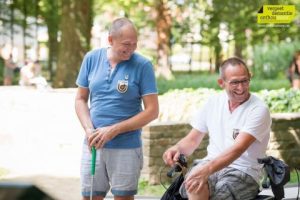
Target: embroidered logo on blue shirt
122,86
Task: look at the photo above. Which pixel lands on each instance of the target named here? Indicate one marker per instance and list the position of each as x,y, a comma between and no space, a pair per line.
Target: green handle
93,166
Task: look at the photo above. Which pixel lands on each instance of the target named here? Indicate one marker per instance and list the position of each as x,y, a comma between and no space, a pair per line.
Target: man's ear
221,83
110,40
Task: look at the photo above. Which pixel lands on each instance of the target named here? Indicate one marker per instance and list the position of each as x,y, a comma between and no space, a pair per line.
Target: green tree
44,12
210,30
51,12
163,29
75,29
240,20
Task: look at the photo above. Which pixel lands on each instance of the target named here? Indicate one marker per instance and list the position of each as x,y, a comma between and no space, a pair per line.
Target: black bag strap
278,173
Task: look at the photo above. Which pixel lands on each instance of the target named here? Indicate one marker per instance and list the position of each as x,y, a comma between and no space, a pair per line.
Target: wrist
115,130
176,147
209,167
88,130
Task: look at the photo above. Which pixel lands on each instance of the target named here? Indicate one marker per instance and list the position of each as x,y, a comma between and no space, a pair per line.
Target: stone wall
284,144
285,138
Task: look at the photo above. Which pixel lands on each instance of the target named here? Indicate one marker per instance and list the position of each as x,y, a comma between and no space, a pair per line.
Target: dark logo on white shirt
235,133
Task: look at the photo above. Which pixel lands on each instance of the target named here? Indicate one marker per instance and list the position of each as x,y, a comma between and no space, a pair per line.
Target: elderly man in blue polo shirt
115,81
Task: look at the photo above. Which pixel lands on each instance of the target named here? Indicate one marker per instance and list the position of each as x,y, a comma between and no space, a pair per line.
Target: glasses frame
236,83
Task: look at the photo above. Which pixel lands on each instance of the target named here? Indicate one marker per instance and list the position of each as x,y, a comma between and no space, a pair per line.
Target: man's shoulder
94,52
255,100
140,59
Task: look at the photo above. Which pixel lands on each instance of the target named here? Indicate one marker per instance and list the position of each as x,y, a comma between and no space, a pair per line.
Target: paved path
41,139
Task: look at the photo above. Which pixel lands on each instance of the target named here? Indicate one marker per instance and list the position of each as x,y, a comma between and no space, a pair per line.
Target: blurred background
177,35
186,40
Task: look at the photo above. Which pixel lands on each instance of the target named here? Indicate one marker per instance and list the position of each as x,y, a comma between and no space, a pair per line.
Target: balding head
234,61
117,26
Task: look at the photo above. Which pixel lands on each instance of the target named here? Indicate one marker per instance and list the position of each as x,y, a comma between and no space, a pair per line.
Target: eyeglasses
236,83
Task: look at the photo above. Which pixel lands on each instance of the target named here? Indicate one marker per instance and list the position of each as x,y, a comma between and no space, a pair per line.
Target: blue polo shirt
116,96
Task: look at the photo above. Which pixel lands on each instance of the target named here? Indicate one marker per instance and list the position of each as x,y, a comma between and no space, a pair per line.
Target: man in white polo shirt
238,124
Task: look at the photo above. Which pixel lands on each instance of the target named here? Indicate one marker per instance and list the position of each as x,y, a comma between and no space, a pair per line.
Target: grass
205,80
294,178
145,189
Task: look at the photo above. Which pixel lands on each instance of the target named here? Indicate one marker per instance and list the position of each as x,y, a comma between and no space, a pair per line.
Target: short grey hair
117,24
234,61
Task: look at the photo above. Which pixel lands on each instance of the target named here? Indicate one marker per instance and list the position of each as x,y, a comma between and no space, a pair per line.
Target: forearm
83,114
136,122
186,146
242,143
190,143
141,119
223,160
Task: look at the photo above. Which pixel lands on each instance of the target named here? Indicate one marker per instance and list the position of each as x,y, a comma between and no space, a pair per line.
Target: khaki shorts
229,184
118,169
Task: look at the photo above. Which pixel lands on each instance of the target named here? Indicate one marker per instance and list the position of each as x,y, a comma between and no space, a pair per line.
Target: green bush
273,60
197,80
188,80
281,100
180,105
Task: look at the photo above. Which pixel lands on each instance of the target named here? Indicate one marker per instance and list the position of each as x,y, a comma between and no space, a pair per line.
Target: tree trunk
53,50
163,29
239,43
219,57
238,49
52,20
75,38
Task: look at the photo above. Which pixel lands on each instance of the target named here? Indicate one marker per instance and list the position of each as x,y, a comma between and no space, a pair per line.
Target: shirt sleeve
148,81
82,78
258,123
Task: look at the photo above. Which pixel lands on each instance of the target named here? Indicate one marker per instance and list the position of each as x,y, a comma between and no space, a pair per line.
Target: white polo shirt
251,117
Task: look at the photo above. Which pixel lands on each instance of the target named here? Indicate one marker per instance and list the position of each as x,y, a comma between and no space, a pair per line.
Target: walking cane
93,166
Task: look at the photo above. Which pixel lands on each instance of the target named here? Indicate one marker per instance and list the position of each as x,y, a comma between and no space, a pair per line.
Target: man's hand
171,155
197,179
101,136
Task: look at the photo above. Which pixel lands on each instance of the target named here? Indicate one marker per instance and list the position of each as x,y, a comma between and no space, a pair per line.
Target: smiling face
235,80
124,43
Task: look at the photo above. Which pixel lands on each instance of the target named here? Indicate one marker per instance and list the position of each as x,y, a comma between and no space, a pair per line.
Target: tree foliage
217,23
238,18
